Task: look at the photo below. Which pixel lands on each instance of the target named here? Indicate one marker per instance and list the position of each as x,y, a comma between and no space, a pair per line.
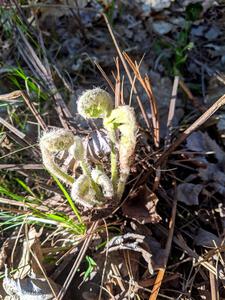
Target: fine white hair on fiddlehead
57,140
95,103
123,119
83,193
103,180
77,149
78,152
93,186
51,142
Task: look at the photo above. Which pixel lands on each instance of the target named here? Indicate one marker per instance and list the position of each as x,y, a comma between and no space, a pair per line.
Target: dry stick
154,110
179,240
14,130
202,119
134,80
18,150
132,89
77,261
105,262
199,260
161,273
52,288
127,71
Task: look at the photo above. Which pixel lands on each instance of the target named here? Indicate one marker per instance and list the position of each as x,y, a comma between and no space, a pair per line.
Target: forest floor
165,238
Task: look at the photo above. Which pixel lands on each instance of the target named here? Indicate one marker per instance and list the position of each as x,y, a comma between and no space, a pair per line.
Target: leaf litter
135,243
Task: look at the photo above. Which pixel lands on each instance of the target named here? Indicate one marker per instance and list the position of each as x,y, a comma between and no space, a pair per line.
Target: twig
24,205
14,130
179,240
202,119
34,111
161,273
22,137
105,262
199,260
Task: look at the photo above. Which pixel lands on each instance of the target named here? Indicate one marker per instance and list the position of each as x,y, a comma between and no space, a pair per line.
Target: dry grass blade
13,167
17,94
44,75
214,285
20,135
161,273
145,82
118,97
171,111
14,130
22,204
78,261
127,72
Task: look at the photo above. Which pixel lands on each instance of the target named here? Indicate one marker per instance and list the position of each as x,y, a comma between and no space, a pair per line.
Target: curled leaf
57,140
83,193
132,242
95,103
53,141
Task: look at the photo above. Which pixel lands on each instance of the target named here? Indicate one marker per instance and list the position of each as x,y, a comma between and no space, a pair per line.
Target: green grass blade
69,199
25,187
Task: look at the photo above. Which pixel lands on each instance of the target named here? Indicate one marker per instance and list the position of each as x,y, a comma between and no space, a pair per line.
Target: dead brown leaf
188,193
141,206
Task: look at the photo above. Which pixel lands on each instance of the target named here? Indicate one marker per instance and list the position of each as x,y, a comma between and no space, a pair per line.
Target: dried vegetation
145,224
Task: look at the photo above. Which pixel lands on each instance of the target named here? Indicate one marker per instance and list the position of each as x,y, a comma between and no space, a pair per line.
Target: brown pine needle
161,273
127,71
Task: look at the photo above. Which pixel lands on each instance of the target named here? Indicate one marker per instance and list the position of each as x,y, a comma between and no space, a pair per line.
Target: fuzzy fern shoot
94,187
